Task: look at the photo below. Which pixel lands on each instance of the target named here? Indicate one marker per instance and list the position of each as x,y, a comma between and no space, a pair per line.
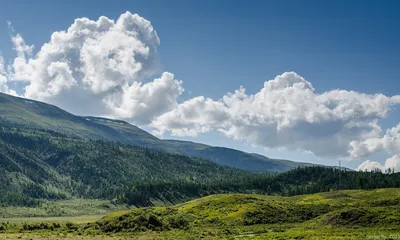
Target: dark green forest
303,180
37,165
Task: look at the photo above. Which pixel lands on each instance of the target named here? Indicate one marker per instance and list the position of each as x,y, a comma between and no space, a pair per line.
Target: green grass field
63,208
354,214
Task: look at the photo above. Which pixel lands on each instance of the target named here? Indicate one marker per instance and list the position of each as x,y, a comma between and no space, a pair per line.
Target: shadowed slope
49,117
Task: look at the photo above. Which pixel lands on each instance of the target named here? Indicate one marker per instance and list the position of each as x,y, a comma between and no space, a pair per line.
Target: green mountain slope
48,117
38,164
234,158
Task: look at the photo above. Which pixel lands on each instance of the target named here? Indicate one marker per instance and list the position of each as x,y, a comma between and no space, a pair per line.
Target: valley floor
355,214
257,232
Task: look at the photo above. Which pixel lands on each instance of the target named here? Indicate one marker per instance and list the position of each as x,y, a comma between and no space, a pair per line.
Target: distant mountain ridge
49,117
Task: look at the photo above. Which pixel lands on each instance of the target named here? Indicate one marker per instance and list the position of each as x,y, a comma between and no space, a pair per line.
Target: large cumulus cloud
286,113
101,64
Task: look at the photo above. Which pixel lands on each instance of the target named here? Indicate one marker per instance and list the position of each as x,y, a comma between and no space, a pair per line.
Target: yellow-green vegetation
356,214
61,208
53,218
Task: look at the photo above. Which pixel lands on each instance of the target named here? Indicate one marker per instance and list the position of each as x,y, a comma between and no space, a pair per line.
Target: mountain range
47,153
48,117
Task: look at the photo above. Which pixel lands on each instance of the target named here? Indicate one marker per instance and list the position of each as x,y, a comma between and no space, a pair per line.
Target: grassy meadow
353,214
61,208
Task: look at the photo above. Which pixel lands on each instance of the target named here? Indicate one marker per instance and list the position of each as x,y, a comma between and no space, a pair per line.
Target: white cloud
21,69
192,117
393,163
9,24
101,65
3,79
285,113
390,143
22,49
143,102
370,166
61,76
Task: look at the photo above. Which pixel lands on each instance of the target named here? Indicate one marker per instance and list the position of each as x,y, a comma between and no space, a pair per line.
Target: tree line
303,180
37,164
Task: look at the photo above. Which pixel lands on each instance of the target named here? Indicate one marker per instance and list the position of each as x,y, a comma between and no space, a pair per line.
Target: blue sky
215,47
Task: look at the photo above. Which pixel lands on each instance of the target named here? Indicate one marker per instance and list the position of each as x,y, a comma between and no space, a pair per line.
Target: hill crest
50,117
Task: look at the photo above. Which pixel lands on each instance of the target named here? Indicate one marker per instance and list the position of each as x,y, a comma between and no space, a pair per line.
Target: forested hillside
36,164
47,117
303,180
47,153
